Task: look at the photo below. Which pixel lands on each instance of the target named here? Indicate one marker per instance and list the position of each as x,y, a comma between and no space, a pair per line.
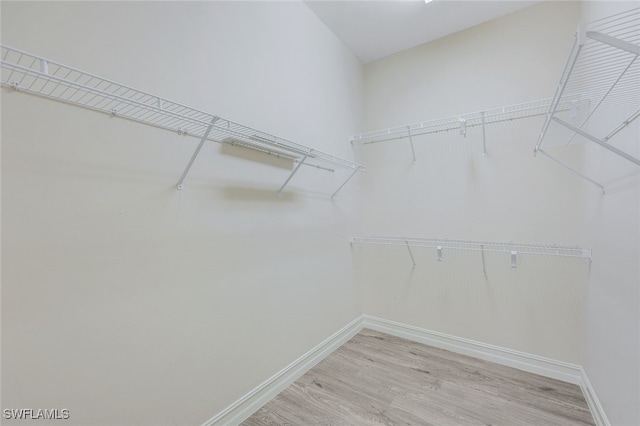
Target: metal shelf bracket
356,170
195,153
300,163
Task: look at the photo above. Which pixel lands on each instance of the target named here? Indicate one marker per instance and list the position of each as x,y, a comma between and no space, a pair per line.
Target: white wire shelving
510,248
36,75
603,61
466,121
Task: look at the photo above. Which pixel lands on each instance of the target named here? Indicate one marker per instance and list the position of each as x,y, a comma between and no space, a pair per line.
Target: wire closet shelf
33,74
466,121
603,61
440,245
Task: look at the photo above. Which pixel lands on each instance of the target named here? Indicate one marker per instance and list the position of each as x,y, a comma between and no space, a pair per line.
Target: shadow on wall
263,195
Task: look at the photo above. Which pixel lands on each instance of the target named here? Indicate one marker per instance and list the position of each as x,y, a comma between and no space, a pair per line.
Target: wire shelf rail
603,60
466,121
513,249
36,75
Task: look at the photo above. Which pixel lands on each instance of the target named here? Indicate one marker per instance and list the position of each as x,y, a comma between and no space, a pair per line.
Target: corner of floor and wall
126,301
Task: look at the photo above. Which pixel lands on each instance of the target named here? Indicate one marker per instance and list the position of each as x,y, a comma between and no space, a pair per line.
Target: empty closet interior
162,262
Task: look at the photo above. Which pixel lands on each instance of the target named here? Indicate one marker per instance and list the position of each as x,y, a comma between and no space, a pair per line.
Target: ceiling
375,29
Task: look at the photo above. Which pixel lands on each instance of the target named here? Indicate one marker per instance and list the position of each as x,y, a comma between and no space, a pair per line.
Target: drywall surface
613,298
126,301
567,309
453,191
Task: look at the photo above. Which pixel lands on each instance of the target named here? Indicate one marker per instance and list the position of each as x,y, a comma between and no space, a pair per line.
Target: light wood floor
378,379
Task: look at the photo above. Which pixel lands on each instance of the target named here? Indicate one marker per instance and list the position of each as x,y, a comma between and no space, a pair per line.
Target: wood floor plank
378,379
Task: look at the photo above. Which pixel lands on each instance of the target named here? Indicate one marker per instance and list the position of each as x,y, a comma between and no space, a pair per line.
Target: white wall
452,191
494,64
612,358
128,302
561,308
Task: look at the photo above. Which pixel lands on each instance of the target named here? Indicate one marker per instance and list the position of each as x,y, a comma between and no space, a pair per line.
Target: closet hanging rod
485,246
36,75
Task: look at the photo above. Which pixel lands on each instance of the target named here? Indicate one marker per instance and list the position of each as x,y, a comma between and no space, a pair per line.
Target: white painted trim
239,411
597,411
523,361
571,373
547,367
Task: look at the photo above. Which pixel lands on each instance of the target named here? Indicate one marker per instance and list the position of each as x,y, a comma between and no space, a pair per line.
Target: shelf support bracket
410,253
345,182
571,169
615,42
603,98
291,175
195,154
624,124
463,126
484,138
413,151
578,43
484,266
598,141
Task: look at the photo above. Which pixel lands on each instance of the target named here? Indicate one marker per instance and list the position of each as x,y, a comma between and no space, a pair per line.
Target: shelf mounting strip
33,74
466,121
604,61
513,249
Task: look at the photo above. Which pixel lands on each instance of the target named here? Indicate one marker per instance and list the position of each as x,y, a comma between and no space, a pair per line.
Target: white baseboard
263,393
522,361
547,367
251,402
599,416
